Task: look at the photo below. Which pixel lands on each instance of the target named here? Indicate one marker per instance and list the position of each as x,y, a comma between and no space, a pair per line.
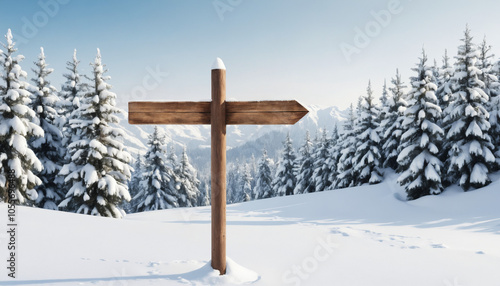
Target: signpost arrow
237,112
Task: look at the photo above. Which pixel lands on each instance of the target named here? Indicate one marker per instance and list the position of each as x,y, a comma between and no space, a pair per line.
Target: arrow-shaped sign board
237,112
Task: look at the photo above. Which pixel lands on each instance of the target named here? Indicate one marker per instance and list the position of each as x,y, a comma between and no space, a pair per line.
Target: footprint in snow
336,231
480,252
153,264
438,245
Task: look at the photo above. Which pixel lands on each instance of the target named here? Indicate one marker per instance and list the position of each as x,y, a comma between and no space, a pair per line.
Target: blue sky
280,49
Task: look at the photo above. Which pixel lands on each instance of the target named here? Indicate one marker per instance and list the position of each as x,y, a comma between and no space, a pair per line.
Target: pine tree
367,157
333,157
492,88
70,95
188,192
204,198
443,82
284,180
157,188
246,185
321,168
392,124
263,188
487,75
359,107
335,135
172,159
253,169
48,149
133,185
436,71
384,101
100,170
17,127
347,149
304,168
494,110
233,186
470,151
421,139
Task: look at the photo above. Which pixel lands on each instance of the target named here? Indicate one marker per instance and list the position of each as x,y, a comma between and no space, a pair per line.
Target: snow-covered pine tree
17,126
304,168
204,198
394,109
133,185
494,110
157,188
284,179
383,99
72,90
321,168
100,170
233,183
172,158
246,185
487,75
492,89
383,102
188,191
48,149
443,83
263,188
253,165
358,107
334,140
366,162
382,114
469,148
333,157
435,72
347,149
421,140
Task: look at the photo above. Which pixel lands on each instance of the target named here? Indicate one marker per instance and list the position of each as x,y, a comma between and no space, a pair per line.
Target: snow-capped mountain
242,140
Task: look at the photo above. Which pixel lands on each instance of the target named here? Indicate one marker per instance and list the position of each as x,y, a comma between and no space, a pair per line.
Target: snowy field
358,236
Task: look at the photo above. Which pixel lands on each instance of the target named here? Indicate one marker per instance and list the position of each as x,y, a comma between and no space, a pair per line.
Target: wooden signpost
218,113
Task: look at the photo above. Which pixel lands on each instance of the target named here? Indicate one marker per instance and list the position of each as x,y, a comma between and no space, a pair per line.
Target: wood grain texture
237,113
168,118
265,106
169,107
218,169
264,118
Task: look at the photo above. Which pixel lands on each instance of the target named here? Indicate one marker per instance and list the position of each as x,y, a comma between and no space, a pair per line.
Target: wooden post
218,166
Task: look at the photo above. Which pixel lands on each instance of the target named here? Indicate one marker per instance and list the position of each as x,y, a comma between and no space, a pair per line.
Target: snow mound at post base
235,275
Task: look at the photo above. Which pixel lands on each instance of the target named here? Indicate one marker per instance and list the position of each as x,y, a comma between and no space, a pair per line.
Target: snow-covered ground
358,236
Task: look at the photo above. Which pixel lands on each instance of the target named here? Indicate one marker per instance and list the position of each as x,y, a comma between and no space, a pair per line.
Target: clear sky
318,52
